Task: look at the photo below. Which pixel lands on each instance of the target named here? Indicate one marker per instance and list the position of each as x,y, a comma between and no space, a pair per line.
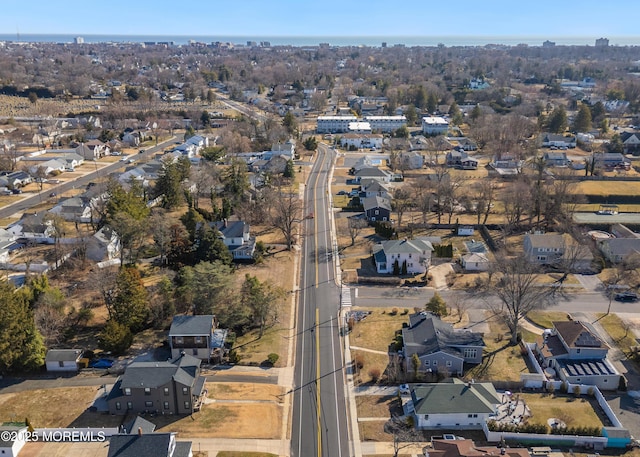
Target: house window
198,340
129,405
426,417
470,353
166,391
187,405
426,363
61,364
166,405
435,363
148,404
147,390
118,406
409,255
127,391
376,212
577,379
185,391
448,363
410,265
195,351
179,340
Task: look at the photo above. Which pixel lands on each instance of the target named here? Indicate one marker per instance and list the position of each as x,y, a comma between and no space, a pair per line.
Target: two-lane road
319,406
35,199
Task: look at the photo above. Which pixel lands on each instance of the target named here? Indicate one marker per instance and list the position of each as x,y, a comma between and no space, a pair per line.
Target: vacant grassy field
377,331
607,188
376,405
58,407
572,411
228,420
243,391
545,319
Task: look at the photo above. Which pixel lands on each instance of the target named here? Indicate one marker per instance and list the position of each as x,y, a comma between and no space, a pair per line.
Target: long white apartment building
434,125
340,124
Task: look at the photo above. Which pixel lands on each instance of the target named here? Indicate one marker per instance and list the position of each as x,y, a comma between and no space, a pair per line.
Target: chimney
139,431
225,222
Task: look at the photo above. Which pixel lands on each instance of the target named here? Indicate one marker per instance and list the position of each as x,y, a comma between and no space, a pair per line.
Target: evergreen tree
432,103
21,345
289,171
115,337
289,122
169,186
129,306
437,305
557,120
210,247
206,289
582,121
261,298
310,144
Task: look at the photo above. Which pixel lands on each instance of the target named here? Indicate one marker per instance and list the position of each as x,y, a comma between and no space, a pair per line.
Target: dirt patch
378,406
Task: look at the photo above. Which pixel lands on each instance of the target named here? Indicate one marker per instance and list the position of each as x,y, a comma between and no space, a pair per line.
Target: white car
124,159
403,389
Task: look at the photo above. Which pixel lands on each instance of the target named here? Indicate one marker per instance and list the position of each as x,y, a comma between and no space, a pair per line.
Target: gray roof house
171,387
67,360
374,189
553,139
452,405
235,235
415,253
440,347
148,445
194,335
373,173
544,249
377,208
616,250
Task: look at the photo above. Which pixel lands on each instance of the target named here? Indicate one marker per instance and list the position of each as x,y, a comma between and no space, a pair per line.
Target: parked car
342,192
403,389
52,194
626,296
101,363
16,191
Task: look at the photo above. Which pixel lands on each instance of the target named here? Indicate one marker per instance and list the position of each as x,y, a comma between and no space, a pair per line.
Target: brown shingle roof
577,334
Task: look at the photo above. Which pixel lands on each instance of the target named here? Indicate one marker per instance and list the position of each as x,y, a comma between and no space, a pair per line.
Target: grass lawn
370,361
619,332
377,331
500,360
376,405
227,420
373,431
545,319
64,407
572,411
607,188
243,391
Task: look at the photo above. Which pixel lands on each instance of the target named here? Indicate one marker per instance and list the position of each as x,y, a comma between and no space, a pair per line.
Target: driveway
591,283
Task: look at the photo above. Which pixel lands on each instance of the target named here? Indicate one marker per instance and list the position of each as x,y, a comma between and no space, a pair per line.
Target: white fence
595,442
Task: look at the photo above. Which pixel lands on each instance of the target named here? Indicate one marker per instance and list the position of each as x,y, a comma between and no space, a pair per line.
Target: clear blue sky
544,18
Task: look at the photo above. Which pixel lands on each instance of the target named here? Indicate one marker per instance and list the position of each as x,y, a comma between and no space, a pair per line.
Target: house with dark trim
148,445
377,208
171,387
198,336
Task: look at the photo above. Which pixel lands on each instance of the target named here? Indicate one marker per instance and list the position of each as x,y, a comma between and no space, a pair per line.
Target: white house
359,127
66,360
475,261
334,124
434,125
236,236
395,254
361,141
103,245
411,160
452,405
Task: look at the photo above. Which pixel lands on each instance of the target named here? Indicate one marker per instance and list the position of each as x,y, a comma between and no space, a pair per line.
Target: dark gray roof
133,426
231,229
183,370
63,355
183,449
404,246
455,397
371,171
150,445
595,367
427,334
192,325
376,202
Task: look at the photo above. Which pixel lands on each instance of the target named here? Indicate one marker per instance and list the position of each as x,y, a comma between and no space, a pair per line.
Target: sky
541,18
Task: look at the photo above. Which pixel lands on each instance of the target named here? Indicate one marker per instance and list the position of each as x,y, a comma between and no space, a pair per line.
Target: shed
63,359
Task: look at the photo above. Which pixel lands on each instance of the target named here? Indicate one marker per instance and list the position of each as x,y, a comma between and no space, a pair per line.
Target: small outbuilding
67,360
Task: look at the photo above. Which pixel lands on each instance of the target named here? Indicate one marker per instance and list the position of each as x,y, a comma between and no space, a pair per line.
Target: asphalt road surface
319,426
26,203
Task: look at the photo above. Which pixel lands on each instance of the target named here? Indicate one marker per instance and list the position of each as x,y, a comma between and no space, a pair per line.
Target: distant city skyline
497,18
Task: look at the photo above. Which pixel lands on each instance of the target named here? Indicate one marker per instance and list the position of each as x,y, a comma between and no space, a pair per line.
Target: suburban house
576,353
236,237
377,208
411,160
440,347
432,125
18,178
7,244
197,336
373,173
610,160
361,141
414,254
97,150
458,447
460,159
47,166
616,250
558,141
475,261
10,447
631,142
104,245
452,405
466,144
375,189
148,445
74,209
171,387
286,149
555,159
33,226
544,249
66,360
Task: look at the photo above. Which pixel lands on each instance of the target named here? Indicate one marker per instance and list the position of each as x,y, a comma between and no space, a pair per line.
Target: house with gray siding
440,347
193,335
171,387
578,355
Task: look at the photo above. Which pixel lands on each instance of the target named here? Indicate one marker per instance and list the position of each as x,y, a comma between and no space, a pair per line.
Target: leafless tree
515,201
400,203
286,213
518,290
355,226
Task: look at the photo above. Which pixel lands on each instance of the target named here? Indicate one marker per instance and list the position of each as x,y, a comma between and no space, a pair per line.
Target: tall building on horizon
78,40
602,42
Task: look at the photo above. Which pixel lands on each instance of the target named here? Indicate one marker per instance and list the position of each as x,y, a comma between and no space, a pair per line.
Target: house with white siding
414,254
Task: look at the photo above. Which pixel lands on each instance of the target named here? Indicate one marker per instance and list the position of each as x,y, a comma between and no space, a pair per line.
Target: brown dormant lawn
575,412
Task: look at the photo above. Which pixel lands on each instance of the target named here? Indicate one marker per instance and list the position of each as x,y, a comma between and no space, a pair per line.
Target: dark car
52,194
626,296
16,191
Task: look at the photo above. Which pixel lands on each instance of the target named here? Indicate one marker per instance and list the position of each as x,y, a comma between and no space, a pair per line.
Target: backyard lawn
575,412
